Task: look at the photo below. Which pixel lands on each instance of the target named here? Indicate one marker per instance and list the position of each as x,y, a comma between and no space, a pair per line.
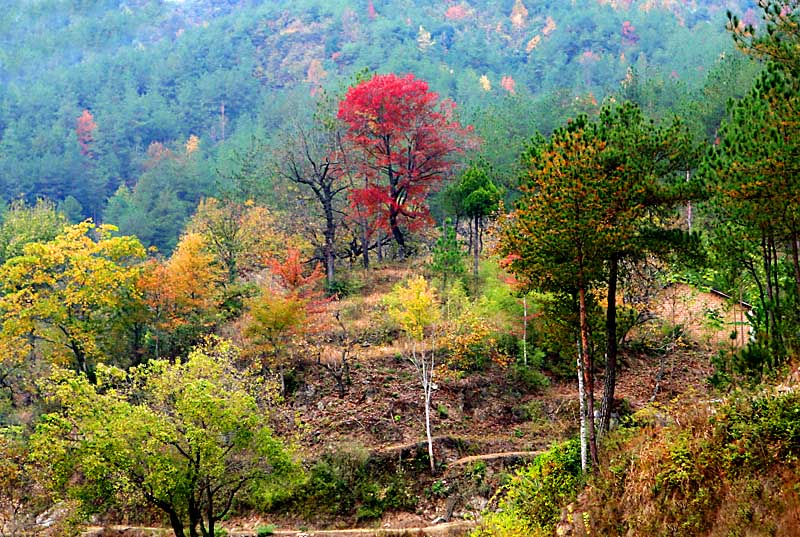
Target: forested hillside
94,92
497,268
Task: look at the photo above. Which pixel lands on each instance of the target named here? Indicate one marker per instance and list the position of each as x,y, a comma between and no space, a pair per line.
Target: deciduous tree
316,163
404,141
290,305
415,307
23,224
240,235
71,299
183,295
186,437
84,129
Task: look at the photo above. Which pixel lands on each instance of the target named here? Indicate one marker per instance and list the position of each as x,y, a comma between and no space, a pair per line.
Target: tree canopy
186,437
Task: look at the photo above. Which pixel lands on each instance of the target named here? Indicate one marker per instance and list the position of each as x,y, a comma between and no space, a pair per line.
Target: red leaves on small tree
84,129
290,274
629,36
403,141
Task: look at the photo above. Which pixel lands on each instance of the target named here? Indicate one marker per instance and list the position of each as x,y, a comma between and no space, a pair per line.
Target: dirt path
496,456
448,529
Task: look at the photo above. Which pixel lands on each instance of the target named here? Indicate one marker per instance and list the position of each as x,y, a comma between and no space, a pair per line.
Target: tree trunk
397,233
426,376
428,426
428,389
330,240
174,520
365,243
611,347
525,331
476,246
588,373
581,405
194,517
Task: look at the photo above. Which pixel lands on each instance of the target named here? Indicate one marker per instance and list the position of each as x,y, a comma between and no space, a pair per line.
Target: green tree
186,437
588,201
448,259
754,176
475,196
21,499
23,224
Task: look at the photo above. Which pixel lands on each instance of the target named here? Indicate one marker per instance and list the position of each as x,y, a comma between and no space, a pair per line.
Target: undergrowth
532,500
347,484
716,469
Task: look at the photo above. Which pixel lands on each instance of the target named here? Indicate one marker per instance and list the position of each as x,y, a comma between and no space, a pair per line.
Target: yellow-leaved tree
183,295
71,300
415,307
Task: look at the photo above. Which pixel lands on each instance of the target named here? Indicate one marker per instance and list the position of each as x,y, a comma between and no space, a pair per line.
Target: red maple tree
403,141
629,36
84,129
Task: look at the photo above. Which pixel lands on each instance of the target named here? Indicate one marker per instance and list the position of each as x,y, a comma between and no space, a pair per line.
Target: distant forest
130,112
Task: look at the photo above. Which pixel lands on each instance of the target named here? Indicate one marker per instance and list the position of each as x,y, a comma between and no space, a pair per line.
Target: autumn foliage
84,130
402,140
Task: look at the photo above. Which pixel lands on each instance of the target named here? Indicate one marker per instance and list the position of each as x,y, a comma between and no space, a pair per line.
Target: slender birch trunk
582,405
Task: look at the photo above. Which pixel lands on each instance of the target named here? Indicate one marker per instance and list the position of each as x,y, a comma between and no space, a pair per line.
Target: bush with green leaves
188,438
531,502
346,483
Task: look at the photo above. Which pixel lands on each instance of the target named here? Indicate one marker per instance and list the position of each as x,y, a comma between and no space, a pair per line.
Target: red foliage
84,129
629,36
403,141
509,84
293,282
290,274
456,13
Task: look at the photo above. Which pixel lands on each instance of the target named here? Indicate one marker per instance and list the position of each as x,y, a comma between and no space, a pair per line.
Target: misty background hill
233,75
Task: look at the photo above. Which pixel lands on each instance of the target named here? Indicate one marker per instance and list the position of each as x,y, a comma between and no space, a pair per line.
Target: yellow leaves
186,287
192,144
414,306
424,41
519,15
69,292
549,26
241,236
533,43
466,341
486,85
315,73
193,273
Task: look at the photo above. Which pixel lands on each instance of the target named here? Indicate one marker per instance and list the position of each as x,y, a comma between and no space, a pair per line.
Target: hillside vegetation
238,76
483,267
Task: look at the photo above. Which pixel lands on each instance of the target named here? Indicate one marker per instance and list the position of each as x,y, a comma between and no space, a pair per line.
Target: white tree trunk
582,407
525,331
425,365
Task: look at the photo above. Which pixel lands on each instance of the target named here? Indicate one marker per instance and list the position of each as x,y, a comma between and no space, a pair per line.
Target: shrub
346,483
531,502
265,531
713,469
